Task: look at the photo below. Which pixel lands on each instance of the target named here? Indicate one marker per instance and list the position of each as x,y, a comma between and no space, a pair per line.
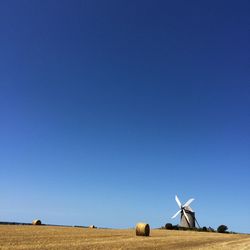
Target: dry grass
48,237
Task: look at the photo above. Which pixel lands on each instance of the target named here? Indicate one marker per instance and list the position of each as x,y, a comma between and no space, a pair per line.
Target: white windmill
187,214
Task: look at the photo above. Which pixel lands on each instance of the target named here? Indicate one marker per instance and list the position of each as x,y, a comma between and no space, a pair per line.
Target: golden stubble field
50,237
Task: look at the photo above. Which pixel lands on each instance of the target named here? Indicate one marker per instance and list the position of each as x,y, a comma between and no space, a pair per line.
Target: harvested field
50,237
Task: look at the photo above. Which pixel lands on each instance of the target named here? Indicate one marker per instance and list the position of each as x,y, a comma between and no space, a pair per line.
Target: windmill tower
187,214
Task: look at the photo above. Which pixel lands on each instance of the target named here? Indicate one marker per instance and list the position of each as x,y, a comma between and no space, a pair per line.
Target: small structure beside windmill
187,214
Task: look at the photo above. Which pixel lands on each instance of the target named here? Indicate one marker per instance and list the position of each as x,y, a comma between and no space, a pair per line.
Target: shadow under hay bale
142,229
36,222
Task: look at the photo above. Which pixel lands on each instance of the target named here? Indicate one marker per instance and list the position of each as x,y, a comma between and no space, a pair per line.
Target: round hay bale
36,222
142,229
92,226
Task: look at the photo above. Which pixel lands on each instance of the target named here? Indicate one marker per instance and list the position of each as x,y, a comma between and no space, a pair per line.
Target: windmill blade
188,202
186,217
175,214
178,201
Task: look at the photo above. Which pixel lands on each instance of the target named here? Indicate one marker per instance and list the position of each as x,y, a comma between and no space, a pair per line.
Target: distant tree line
220,229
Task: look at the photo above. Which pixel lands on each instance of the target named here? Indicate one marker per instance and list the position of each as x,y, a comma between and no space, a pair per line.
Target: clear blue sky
110,108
